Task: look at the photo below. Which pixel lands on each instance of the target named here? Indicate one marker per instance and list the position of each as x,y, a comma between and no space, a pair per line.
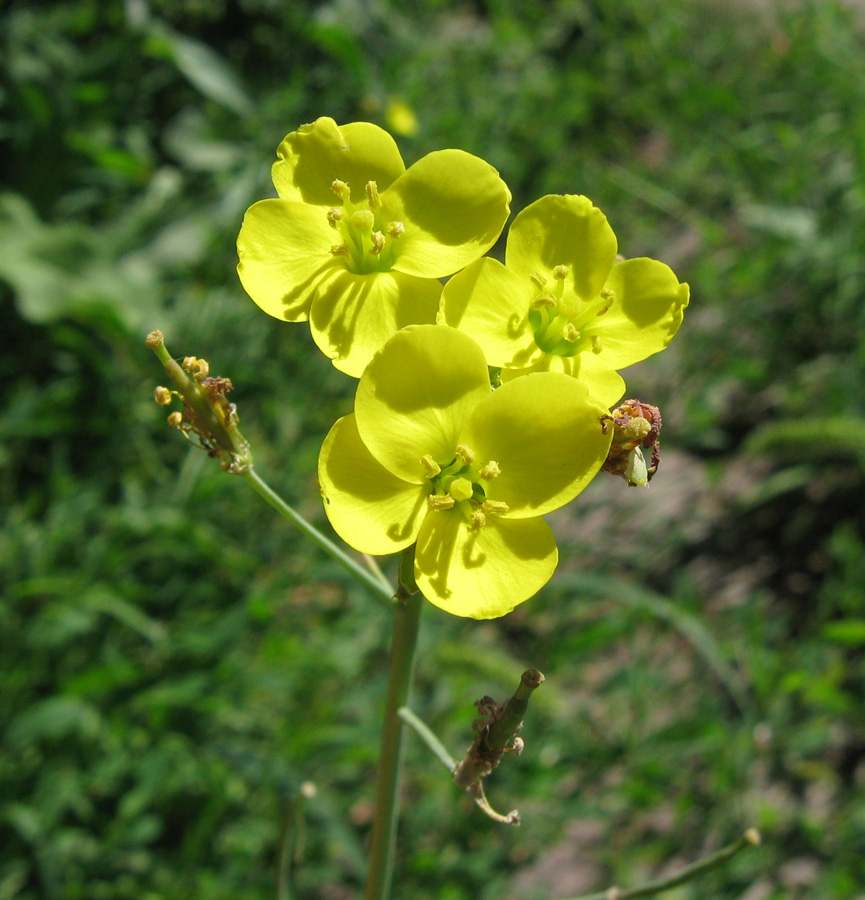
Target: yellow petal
314,155
647,311
604,384
415,396
491,303
483,574
284,251
563,230
353,316
369,508
453,205
545,433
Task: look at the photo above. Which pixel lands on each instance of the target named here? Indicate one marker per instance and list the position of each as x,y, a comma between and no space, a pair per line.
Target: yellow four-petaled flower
562,303
431,454
356,243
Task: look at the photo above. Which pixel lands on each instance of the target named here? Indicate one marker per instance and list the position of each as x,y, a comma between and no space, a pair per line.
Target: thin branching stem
426,734
375,584
749,839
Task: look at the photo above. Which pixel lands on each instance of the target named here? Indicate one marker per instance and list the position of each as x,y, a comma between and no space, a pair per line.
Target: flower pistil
368,244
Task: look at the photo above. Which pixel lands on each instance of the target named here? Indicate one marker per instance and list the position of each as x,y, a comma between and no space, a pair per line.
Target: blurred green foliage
177,663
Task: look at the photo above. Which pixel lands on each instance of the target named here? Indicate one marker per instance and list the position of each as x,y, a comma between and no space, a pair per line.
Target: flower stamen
372,195
466,454
440,501
490,470
430,466
341,189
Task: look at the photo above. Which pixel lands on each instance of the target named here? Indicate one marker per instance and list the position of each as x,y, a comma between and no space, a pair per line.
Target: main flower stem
376,585
406,624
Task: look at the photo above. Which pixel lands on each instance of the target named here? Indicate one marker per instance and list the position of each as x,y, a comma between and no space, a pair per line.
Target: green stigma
368,243
462,484
563,322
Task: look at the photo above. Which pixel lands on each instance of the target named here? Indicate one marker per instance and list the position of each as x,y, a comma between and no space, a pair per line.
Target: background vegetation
177,663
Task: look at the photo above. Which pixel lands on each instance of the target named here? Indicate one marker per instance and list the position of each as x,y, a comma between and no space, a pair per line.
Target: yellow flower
431,454
561,302
356,243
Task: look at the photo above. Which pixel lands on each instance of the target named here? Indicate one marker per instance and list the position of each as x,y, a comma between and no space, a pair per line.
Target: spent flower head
433,455
356,243
562,302
635,426
207,416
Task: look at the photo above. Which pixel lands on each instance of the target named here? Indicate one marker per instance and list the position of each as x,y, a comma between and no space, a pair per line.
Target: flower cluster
436,454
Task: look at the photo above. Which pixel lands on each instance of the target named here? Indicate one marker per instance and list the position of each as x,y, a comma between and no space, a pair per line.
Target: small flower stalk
635,426
207,415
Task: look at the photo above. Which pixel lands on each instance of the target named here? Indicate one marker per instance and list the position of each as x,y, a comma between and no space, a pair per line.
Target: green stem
359,572
406,623
428,736
749,839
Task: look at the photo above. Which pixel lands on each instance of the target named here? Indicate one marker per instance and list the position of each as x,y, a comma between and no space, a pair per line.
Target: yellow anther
461,489
378,243
609,295
637,428
478,520
538,279
162,396
362,220
199,368
444,502
334,215
372,195
340,250
395,229
495,507
465,454
544,300
341,189
570,333
490,470
560,273
430,466
175,419
596,343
